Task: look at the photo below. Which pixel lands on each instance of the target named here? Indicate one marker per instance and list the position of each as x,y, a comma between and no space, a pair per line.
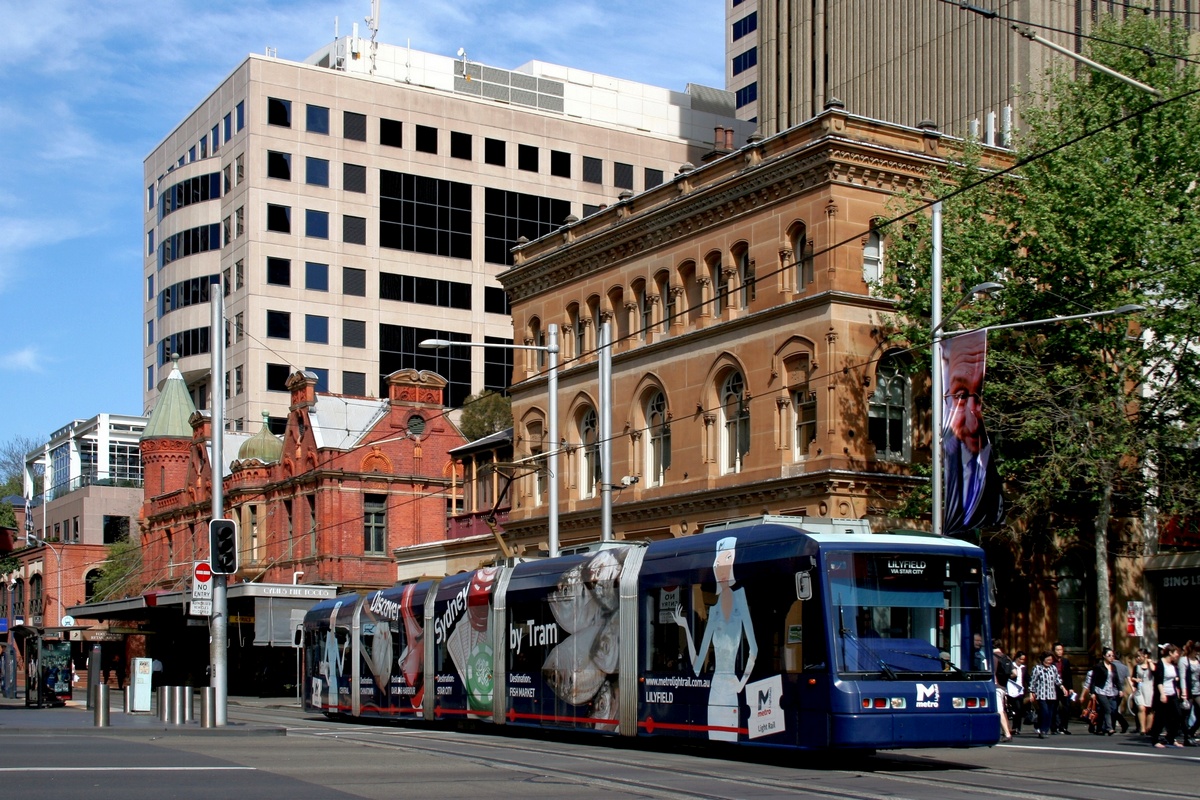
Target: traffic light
223,546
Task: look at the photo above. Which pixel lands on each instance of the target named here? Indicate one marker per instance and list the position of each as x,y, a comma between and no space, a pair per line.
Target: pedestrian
1066,682
1189,682
1004,671
1045,686
1016,693
1103,682
1143,688
1167,699
1122,669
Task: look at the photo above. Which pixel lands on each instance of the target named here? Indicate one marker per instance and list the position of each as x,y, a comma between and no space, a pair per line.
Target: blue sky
89,87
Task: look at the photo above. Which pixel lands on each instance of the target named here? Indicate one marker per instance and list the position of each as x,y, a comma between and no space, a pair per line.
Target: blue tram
757,632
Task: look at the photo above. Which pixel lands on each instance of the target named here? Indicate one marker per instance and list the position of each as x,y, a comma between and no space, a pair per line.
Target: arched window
538,337
693,298
666,300
19,598
3,599
578,331
658,439
719,288
873,258
89,585
589,464
804,404
644,310
801,255
534,434
37,598
593,305
888,411
1072,607
735,421
745,268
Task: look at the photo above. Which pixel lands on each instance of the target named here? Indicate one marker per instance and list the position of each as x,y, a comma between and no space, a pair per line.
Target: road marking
123,769
1177,753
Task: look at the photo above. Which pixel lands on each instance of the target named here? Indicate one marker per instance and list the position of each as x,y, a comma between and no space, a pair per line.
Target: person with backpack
1004,671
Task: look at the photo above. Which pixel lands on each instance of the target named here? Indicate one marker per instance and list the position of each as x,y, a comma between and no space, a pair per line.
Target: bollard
189,714
208,707
177,705
164,703
100,706
128,709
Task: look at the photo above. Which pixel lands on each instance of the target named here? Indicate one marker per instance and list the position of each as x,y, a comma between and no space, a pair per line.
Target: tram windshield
899,615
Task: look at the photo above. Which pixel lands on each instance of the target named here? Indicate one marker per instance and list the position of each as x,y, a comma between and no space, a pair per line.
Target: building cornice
668,219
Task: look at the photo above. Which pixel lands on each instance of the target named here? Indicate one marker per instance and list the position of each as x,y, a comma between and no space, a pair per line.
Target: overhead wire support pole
218,646
1112,73
935,375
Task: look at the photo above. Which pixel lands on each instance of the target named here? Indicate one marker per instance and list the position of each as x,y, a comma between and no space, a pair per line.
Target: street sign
202,583
202,589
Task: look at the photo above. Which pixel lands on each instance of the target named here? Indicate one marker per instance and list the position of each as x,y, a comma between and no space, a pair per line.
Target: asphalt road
274,751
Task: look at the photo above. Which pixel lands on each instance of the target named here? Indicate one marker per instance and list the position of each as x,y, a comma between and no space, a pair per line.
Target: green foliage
1075,409
485,414
8,519
119,572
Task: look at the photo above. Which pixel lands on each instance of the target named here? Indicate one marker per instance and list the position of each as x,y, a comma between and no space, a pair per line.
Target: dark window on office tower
316,119
316,329
593,170
279,325
391,132
494,152
316,276
623,175
746,95
316,224
322,375
745,25
424,215
560,164
527,157
277,375
398,349
495,301
279,112
497,365
460,145
654,177
354,229
354,384
744,61
354,178
316,171
279,165
354,126
193,342
426,291
354,282
115,529
426,139
511,215
279,271
354,333
279,218
589,209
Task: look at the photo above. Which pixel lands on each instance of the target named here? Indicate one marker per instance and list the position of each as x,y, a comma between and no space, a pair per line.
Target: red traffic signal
223,546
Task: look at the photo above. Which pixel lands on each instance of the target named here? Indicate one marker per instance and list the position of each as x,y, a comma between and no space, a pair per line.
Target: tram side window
666,648
802,638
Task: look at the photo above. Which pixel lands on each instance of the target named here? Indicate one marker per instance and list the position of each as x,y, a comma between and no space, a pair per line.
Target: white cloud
27,359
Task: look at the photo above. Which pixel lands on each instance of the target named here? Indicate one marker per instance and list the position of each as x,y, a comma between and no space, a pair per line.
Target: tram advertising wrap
758,633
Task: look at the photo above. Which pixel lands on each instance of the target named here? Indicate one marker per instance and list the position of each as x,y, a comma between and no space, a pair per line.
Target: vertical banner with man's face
971,494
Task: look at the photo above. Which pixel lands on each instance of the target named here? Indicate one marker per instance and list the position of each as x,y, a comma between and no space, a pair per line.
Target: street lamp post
551,349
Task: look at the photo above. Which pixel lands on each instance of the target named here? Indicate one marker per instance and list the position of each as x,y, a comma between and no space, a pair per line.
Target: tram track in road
658,773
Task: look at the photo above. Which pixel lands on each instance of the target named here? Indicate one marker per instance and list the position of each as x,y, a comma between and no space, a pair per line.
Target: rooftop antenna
373,26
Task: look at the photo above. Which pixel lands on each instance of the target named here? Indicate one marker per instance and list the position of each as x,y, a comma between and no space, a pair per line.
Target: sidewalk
76,718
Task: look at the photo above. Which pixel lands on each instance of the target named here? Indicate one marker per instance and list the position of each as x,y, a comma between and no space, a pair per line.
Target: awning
1165,561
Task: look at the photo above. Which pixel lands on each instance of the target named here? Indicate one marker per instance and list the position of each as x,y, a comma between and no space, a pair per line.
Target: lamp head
434,344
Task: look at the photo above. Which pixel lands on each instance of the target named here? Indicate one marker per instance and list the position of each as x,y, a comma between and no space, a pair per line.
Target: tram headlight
958,702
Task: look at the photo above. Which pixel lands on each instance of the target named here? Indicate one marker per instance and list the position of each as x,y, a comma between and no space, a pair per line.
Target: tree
119,572
12,464
485,414
1088,420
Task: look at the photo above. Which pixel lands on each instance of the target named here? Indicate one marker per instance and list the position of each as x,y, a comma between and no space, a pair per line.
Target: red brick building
321,510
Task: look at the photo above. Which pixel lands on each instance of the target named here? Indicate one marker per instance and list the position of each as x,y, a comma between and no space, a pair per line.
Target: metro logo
928,696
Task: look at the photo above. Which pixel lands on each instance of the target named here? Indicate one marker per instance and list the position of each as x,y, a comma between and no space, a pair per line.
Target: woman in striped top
1045,684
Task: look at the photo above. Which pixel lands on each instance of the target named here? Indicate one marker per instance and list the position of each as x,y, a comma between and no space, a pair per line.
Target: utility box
139,686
